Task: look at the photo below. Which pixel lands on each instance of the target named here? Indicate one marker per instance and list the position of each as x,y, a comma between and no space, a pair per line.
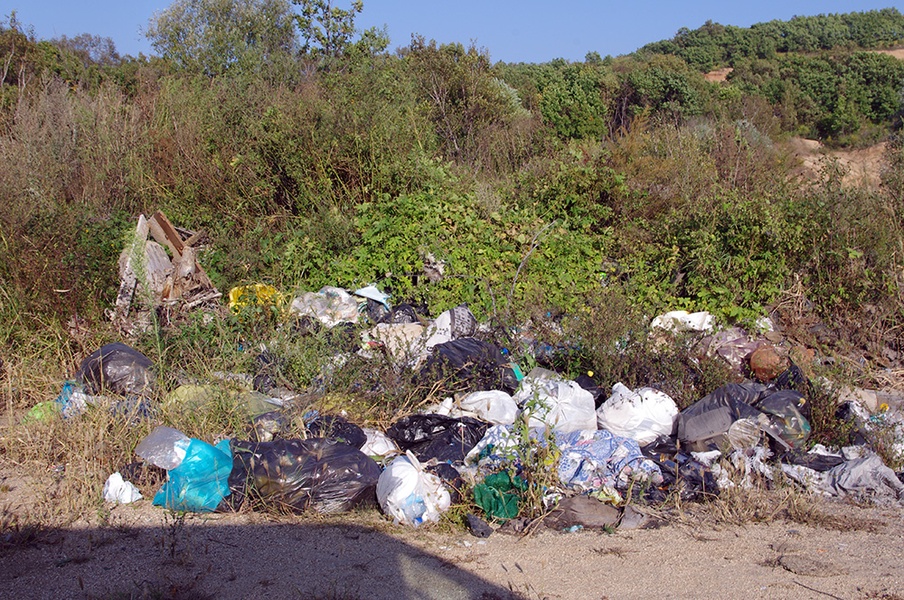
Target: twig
533,246
818,591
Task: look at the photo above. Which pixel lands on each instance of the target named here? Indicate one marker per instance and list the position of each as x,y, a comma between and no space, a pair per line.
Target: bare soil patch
862,166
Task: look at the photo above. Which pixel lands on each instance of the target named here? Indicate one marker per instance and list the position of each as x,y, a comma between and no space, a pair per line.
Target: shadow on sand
190,559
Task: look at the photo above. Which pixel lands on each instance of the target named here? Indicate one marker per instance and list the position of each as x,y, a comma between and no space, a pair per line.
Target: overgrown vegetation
591,194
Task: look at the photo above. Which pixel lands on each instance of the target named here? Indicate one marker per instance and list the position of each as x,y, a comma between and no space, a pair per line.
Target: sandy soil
143,552
862,166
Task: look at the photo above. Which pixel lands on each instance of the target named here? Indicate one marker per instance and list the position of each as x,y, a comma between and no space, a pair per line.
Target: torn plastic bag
783,410
330,306
164,447
435,436
705,425
592,460
119,369
409,494
470,361
554,402
200,482
317,473
73,400
642,415
733,345
793,378
402,341
859,479
494,406
337,428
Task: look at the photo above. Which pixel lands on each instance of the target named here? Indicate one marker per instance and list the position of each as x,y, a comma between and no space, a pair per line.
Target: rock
584,511
766,364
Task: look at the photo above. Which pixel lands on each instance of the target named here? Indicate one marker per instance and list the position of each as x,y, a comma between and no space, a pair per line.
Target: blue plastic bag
201,481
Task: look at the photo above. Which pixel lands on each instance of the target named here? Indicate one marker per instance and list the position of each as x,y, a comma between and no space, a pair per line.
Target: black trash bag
117,368
793,378
481,365
446,439
337,428
451,478
588,383
662,447
704,425
817,462
318,474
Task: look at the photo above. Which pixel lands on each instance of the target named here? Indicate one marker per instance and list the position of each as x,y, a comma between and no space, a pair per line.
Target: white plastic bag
551,401
678,321
378,444
117,490
164,447
409,494
494,406
642,415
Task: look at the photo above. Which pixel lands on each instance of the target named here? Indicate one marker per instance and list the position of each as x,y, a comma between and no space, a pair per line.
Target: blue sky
511,30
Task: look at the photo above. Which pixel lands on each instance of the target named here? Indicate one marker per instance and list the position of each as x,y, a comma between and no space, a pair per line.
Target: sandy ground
144,552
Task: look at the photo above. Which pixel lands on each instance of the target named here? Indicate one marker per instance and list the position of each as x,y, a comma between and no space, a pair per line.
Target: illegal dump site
444,442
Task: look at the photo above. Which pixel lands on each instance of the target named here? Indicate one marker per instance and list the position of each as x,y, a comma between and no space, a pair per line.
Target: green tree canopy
216,36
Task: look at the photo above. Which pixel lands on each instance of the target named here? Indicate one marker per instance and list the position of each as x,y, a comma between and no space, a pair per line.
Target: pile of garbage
588,456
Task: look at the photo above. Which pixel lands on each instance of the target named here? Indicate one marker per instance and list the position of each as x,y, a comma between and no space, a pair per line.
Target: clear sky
511,30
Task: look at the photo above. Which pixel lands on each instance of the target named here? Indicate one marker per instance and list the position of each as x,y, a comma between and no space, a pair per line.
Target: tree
326,29
90,49
216,36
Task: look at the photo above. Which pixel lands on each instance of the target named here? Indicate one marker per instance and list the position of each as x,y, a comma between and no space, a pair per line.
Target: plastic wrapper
319,474
436,436
117,368
411,495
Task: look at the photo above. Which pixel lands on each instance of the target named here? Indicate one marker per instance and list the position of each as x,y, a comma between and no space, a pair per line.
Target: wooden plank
172,239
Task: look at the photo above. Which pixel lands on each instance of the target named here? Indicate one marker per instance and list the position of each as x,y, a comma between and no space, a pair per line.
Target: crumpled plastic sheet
496,448
591,460
331,306
860,478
